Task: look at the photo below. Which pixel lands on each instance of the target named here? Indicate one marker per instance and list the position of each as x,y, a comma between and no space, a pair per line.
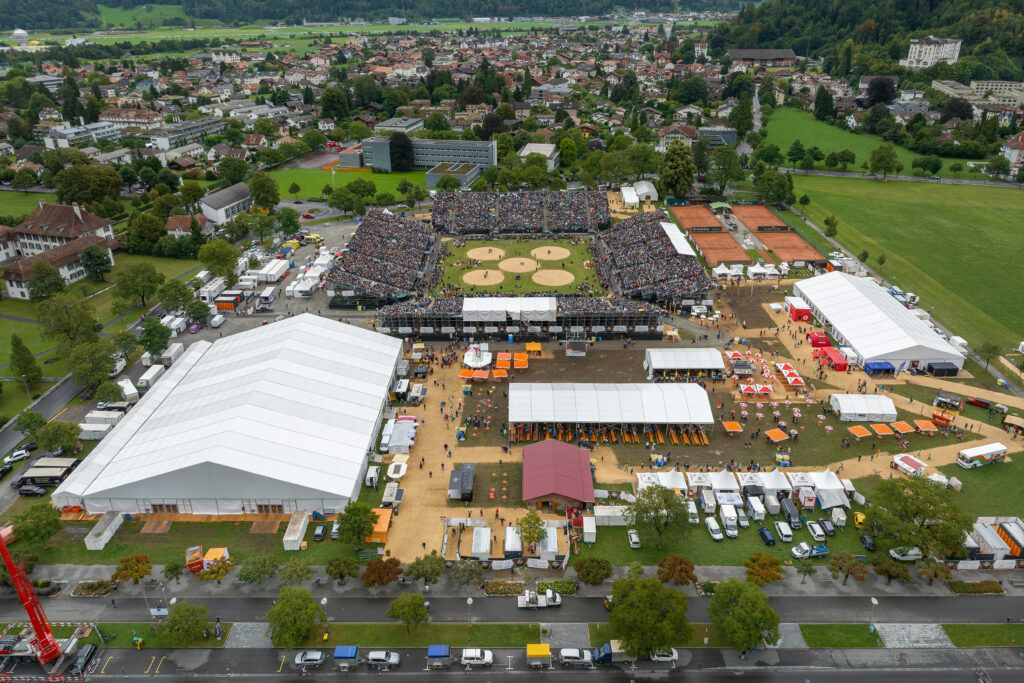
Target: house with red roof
556,476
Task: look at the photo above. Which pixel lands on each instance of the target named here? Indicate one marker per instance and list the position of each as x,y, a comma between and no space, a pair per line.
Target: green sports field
786,125
312,181
958,247
457,264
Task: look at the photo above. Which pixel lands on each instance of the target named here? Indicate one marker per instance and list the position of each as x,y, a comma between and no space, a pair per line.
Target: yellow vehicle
858,519
312,239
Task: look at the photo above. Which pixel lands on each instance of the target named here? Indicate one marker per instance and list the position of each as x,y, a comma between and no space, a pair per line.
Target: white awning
678,240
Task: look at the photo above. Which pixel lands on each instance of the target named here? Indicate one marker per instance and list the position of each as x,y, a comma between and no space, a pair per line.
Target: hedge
975,587
561,586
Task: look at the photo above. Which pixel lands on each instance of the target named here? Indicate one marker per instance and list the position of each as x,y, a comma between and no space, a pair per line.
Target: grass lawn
990,490
602,633
147,14
15,203
786,125
983,635
839,636
312,181
169,267
927,394
456,264
945,243
455,635
120,634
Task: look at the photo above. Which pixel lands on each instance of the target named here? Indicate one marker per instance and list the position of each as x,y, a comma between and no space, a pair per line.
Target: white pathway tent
830,490
672,479
279,417
678,240
862,315
656,404
497,309
683,359
863,407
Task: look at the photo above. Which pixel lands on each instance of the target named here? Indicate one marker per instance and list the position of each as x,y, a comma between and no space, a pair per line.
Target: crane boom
43,643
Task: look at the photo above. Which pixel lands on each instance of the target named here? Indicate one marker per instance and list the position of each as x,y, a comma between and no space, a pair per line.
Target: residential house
181,226
1013,150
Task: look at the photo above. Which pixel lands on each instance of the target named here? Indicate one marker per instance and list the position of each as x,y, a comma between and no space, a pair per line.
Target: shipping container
93,432
150,377
110,417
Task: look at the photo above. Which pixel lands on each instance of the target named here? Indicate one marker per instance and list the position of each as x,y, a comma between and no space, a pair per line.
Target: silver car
816,532
383,659
634,539
667,655
783,531
575,657
310,659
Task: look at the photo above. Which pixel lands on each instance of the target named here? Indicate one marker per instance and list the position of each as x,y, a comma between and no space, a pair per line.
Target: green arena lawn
786,125
958,247
456,264
312,181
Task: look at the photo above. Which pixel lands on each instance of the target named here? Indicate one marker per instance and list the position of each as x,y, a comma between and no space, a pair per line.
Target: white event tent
654,404
683,359
863,407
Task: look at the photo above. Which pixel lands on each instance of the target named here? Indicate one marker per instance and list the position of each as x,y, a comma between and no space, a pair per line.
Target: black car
29,446
31,491
766,536
320,532
826,526
85,656
867,542
5,470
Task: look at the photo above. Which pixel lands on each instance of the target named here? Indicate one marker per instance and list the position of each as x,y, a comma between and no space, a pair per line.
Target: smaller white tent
723,481
774,483
863,407
699,480
683,359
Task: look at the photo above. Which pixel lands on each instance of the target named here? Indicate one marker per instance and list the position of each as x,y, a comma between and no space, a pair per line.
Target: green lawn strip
702,635
990,490
984,635
18,203
786,125
839,636
812,236
455,635
954,282
312,181
452,276
120,634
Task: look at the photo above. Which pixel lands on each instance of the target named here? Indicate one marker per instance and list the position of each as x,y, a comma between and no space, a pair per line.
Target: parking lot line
103,670
159,665
152,660
283,657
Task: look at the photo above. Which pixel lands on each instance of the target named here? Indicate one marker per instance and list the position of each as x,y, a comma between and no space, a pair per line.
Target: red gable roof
553,467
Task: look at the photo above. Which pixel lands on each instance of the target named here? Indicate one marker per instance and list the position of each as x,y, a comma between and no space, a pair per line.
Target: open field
455,635
993,489
508,254
312,182
983,635
958,247
154,14
18,203
839,635
786,125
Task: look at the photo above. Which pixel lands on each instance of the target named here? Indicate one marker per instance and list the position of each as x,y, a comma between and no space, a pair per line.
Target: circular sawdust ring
551,253
486,254
483,277
518,265
553,278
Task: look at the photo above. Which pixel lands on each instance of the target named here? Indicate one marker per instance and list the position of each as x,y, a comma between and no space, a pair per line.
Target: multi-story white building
132,118
185,132
1013,150
220,56
220,207
71,136
925,52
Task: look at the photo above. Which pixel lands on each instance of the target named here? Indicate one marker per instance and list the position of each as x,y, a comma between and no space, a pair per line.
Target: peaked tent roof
553,467
609,403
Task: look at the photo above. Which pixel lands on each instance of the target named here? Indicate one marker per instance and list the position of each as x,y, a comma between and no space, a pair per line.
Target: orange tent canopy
901,427
380,527
465,373
776,435
521,365
481,374
731,426
882,429
925,426
859,431
500,374
503,364
504,355
533,347
519,355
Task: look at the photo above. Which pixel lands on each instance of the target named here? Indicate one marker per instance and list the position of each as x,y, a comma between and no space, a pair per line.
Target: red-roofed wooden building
557,475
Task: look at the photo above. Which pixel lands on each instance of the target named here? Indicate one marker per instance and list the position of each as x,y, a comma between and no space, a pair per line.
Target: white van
217,320
712,525
691,513
728,515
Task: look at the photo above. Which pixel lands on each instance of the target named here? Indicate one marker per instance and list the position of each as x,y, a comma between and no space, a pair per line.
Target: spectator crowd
464,213
384,256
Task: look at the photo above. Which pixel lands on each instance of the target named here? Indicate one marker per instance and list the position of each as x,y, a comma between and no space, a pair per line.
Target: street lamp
871,620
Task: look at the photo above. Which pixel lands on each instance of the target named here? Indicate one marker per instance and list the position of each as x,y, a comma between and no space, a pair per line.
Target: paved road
909,178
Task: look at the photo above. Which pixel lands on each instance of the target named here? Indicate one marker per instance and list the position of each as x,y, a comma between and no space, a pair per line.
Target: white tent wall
515,309
683,359
863,407
609,403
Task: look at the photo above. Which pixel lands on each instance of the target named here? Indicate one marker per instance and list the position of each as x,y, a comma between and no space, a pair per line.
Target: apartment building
925,52
429,153
144,119
185,132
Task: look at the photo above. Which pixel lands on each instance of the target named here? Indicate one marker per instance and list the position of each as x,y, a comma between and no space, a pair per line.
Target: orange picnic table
466,373
902,427
859,431
500,374
925,426
882,429
732,427
776,435
503,364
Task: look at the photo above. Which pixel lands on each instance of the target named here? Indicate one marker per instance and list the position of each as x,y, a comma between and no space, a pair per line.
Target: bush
975,587
593,570
501,587
562,586
92,588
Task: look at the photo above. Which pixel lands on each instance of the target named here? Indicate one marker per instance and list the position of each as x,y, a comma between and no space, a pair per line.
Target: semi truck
535,600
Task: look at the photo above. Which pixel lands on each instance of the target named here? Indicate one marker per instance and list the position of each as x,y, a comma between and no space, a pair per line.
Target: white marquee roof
496,309
284,411
684,359
872,321
609,403
678,239
863,407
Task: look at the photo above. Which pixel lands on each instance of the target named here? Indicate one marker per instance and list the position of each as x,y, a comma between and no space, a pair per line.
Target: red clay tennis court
757,216
695,217
789,246
718,247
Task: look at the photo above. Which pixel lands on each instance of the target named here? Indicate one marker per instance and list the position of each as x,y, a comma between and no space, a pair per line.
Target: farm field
786,125
945,243
312,181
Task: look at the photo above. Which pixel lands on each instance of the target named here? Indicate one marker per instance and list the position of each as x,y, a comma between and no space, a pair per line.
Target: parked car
477,657
826,526
859,519
383,659
310,659
712,526
906,555
803,551
634,539
193,328
336,529
669,655
58,453
575,657
85,656
980,402
867,542
34,491
307,215
766,536
5,470
17,456
783,531
30,446
741,518
320,532
815,530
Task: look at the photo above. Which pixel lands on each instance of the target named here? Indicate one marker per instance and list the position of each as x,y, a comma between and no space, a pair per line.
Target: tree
220,259
109,392
769,154
174,294
804,201
381,572
173,570
38,523
264,190
889,568
725,167
232,170
988,351
742,117
24,179
845,564
357,523
340,568
448,183
362,188
881,259
29,422
648,616
863,256
56,435
796,152
642,158
676,568
824,105
296,570
294,190
23,363
918,512
883,159
191,193
287,221
763,568
805,568
258,568
294,618
931,164
87,184
314,139
426,567
831,226
410,609
136,282
91,362
467,571
592,570
436,122
743,614
401,152
186,623
678,169
846,158
46,281
334,103
155,335
881,90
956,169
135,567
359,130
197,310
931,569
656,509
531,528
96,261
998,166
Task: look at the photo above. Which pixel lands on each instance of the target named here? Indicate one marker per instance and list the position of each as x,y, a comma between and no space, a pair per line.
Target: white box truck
109,417
209,292
131,394
692,516
728,515
147,359
771,505
756,508
171,353
92,431
150,377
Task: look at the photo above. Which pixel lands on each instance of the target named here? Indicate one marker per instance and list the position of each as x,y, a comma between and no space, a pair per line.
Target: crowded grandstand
484,213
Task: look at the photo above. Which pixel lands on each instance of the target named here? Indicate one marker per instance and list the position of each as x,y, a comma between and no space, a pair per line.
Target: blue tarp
438,651
880,366
345,652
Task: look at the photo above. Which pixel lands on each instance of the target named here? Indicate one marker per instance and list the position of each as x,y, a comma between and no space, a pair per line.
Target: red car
307,215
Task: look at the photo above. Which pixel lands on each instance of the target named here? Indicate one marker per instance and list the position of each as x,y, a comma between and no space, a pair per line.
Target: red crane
43,643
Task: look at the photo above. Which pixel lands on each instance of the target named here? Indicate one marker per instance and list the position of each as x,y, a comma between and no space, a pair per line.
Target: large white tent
880,331
863,407
683,359
656,404
278,418
516,308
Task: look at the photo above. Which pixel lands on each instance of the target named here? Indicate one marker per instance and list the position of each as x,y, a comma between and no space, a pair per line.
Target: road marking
282,664
159,665
104,669
152,660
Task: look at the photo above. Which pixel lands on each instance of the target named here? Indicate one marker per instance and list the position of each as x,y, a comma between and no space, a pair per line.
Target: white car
716,531
904,555
634,539
783,531
476,657
741,519
816,532
20,454
575,657
383,659
669,655
309,659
